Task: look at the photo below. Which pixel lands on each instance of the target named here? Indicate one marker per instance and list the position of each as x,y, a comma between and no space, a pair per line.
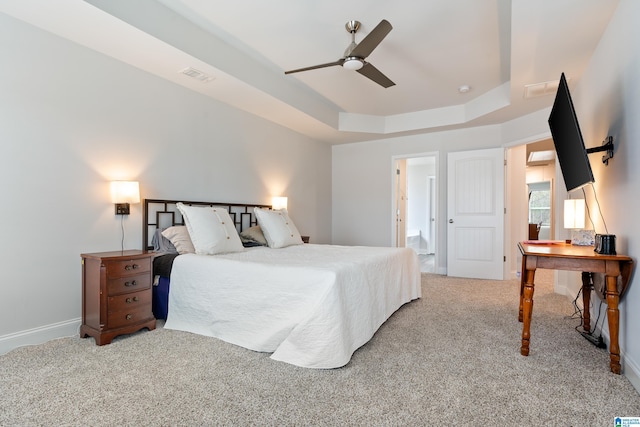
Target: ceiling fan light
353,63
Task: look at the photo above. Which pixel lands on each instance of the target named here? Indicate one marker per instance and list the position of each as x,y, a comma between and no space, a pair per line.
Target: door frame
438,190
433,213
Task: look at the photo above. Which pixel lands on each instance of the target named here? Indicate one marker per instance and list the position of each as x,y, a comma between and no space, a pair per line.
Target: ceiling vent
540,89
197,74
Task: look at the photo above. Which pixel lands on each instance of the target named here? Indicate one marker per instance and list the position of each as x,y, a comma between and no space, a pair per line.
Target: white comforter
311,305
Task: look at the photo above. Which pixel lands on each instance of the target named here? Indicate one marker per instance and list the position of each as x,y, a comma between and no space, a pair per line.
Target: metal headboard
162,214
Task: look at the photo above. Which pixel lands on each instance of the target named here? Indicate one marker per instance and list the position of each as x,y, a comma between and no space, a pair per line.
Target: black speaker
605,244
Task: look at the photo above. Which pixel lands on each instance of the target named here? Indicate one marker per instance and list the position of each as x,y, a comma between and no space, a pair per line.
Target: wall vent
540,89
197,74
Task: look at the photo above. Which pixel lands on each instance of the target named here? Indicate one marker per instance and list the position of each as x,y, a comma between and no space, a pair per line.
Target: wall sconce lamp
123,193
278,203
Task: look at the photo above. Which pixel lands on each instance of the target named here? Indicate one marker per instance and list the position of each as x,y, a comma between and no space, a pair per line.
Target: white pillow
278,228
211,229
178,235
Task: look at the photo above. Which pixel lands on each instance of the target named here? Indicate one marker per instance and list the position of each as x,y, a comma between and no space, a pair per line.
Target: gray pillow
253,235
162,244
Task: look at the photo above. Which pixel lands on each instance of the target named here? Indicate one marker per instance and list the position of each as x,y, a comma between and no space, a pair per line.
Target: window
540,203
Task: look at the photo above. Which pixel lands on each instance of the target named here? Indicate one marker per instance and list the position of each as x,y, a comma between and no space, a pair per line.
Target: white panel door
475,208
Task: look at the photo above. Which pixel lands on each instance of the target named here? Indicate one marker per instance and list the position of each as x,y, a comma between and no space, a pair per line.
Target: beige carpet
451,358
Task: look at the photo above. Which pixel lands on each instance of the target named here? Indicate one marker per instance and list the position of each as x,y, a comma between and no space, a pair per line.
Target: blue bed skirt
160,301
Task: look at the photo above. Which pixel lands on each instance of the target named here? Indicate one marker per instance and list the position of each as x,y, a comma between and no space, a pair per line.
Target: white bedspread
310,305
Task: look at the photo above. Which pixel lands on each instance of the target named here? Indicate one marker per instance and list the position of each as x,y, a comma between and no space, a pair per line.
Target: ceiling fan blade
374,74
373,39
314,67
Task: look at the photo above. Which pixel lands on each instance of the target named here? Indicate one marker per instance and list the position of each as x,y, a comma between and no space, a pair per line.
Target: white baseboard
631,371
629,368
39,335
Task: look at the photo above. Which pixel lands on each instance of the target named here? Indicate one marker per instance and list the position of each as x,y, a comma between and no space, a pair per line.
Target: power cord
122,228
595,197
577,311
578,314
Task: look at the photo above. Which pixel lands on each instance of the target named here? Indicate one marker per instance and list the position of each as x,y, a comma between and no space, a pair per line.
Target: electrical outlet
122,209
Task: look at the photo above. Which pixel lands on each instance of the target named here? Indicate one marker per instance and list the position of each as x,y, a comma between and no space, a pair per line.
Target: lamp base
582,237
122,209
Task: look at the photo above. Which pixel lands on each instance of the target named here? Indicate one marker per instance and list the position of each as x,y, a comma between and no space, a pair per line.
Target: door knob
450,221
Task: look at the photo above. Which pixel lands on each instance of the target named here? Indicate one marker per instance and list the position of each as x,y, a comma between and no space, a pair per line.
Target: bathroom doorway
415,189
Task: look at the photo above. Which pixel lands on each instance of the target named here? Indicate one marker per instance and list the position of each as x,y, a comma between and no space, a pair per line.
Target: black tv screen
567,138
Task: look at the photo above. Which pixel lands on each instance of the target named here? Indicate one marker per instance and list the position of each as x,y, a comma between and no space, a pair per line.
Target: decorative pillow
211,229
278,228
178,235
253,235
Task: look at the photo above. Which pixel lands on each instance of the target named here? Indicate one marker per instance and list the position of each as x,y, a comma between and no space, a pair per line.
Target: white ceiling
494,46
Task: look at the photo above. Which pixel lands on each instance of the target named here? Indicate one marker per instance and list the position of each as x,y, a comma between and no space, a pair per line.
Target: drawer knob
129,317
131,267
130,300
131,283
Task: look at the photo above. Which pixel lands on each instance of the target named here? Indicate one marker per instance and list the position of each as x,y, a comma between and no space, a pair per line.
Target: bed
309,305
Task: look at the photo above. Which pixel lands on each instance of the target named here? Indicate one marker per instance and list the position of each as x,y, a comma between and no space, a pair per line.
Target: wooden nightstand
116,294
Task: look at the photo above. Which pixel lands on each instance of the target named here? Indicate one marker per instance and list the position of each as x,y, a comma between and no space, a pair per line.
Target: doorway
540,173
415,207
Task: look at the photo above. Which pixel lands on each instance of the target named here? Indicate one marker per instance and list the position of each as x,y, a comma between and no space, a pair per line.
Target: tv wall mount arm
607,145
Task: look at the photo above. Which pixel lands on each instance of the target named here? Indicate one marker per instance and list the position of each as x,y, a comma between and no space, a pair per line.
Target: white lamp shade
125,192
574,216
279,203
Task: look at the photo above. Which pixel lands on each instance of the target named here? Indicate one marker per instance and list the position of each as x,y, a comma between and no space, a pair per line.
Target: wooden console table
561,256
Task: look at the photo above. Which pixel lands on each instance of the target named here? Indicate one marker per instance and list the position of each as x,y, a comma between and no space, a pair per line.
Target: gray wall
71,120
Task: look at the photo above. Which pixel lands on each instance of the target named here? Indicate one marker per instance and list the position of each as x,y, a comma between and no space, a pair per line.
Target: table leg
522,278
613,317
527,308
586,301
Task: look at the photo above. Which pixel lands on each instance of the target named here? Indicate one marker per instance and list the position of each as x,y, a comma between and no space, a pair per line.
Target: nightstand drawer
127,302
129,317
127,284
128,267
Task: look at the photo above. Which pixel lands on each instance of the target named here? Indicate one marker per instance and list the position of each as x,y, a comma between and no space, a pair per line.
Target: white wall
363,183
363,177
71,120
607,102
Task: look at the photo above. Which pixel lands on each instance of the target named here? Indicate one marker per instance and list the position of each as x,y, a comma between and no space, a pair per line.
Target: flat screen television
567,138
